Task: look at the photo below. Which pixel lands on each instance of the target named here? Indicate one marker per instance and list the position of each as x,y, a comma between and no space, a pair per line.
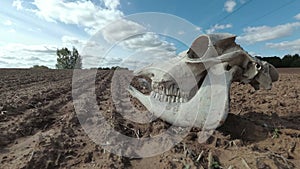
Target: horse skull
193,90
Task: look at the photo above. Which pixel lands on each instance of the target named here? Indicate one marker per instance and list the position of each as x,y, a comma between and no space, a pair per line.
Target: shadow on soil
255,127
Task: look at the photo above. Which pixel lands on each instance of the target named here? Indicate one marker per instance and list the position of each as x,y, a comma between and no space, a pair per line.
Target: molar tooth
154,95
185,100
177,99
165,98
172,99
157,95
160,88
174,91
161,97
178,92
169,99
180,100
159,91
171,89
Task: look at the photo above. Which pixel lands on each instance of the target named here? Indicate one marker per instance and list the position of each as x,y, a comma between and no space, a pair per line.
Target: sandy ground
39,127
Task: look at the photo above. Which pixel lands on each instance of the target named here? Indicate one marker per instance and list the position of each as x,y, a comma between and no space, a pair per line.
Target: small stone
89,157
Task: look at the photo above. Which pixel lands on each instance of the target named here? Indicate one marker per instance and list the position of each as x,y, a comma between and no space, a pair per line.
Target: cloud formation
297,16
91,18
217,27
81,13
18,4
121,29
20,56
112,4
286,45
229,5
264,33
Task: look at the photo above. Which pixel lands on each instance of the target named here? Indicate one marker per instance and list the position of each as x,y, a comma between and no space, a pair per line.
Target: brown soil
39,127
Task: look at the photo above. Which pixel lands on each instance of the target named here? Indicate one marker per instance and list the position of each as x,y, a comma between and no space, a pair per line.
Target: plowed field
39,127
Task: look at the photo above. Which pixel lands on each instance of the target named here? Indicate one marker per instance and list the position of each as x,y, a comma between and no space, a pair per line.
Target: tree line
286,61
67,59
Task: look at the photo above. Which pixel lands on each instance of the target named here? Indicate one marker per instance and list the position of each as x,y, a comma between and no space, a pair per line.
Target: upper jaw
175,85
184,110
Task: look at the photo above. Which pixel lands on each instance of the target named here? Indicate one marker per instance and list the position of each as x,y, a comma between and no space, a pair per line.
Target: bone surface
193,89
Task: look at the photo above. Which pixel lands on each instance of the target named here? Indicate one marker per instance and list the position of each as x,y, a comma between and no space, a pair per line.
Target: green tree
67,59
287,60
274,60
39,67
296,61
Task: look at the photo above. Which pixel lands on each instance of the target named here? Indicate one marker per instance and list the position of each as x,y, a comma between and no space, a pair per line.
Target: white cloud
70,42
120,30
111,4
7,23
229,5
291,46
218,27
148,41
17,4
92,18
264,33
149,56
198,29
133,36
147,48
82,13
22,56
297,16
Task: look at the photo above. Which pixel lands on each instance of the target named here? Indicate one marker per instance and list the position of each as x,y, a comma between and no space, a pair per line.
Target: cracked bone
196,85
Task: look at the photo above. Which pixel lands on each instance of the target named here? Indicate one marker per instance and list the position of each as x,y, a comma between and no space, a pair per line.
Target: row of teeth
171,95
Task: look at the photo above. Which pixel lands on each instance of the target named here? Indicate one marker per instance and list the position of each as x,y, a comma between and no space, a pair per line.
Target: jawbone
207,109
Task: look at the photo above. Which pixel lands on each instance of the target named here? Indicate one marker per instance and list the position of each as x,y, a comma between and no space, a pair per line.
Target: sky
111,32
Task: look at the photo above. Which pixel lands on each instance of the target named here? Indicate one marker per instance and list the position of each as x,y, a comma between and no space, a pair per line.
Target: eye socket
258,67
192,54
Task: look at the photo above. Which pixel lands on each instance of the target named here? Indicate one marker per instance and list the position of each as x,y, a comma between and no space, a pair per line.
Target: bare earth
39,127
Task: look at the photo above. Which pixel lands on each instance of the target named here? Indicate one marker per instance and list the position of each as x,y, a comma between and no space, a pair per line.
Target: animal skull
186,90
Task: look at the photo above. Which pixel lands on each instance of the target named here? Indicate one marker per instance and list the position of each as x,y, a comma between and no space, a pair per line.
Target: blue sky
32,30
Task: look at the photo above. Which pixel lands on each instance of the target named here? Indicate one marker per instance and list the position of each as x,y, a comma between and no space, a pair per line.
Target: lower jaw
199,111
